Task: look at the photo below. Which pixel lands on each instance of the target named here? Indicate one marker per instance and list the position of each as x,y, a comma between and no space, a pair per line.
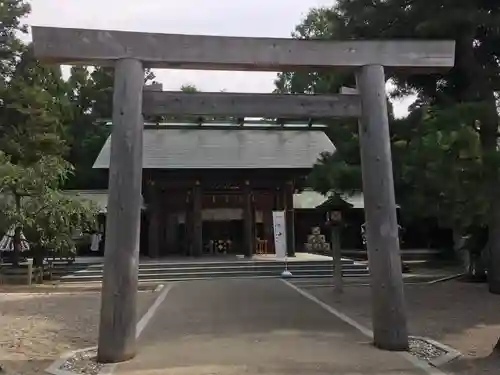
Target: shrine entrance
224,203
223,224
223,237
131,52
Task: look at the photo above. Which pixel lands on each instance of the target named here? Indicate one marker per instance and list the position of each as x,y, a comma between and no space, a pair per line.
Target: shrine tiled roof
195,148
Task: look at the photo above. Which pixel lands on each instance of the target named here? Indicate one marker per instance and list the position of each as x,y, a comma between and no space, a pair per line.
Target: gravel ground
462,315
35,328
84,363
424,350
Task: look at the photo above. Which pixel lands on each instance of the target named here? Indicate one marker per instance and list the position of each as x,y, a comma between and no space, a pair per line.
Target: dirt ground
35,328
462,315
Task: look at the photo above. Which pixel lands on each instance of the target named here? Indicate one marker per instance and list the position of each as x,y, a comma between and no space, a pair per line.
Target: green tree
439,166
30,95
431,135
189,88
90,92
449,106
473,81
34,106
33,203
11,47
34,111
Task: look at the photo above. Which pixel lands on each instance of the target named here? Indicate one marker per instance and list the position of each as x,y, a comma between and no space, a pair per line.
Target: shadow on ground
462,315
473,366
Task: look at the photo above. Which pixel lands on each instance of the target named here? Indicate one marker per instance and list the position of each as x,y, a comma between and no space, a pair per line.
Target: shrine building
211,189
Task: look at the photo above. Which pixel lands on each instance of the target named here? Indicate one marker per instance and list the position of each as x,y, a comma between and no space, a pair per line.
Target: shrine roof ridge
200,148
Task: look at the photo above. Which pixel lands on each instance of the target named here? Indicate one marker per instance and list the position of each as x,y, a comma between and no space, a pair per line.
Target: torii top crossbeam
204,52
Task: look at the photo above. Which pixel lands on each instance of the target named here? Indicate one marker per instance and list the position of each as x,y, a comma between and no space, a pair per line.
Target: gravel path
462,315
36,328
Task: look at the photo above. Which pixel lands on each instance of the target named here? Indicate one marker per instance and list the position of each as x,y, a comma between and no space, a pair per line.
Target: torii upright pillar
389,318
117,328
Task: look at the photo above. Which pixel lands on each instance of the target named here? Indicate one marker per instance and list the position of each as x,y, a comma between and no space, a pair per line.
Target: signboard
279,233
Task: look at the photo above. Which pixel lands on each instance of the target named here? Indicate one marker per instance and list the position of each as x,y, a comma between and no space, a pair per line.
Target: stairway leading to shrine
155,271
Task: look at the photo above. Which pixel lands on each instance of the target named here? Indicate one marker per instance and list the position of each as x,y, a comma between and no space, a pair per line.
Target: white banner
279,233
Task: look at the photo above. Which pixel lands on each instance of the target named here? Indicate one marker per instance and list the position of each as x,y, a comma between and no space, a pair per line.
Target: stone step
232,268
215,274
165,280
152,277
406,254
201,269
204,264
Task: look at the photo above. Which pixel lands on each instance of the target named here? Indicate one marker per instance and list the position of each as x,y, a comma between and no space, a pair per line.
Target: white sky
271,18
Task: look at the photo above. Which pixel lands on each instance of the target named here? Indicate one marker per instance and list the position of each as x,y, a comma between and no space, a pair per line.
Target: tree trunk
494,250
477,270
460,251
38,256
489,129
480,90
16,256
338,281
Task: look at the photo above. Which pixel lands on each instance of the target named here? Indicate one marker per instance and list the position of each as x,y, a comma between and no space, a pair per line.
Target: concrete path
236,327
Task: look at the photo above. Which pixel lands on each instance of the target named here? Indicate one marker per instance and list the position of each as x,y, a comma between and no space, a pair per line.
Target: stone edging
450,353
55,367
446,278
107,369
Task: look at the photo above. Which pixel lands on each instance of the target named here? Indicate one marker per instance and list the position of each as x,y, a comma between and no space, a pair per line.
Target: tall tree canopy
36,206
450,134
35,110
469,87
33,101
90,92
11,47
446,152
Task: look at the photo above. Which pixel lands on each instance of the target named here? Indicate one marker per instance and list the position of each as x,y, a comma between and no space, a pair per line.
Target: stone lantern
335,207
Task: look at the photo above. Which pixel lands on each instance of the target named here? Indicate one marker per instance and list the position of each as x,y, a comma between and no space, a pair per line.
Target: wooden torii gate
131,52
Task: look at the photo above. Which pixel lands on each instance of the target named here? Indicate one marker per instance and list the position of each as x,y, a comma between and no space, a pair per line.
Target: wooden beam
206,52
236,127
197,220
344,90
338,282
250,105
267,213
289,218
117,328
171,231
248,220
188,224
154,213
153,87
389,315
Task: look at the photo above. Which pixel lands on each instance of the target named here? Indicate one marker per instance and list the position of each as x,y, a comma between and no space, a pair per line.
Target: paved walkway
236,327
